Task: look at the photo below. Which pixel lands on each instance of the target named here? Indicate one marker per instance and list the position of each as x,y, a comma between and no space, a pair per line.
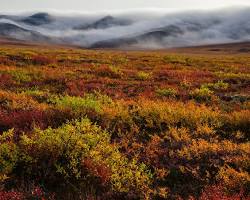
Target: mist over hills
136,30
14,31
104,23
38,19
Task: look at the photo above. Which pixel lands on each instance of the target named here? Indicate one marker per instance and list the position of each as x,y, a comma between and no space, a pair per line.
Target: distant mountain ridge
105,22
38,19
156,35
11,30
130,30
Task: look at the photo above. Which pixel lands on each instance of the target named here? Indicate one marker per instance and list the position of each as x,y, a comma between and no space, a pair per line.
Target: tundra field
106,124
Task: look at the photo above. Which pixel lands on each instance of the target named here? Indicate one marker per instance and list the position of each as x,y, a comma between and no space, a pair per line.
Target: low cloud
148,28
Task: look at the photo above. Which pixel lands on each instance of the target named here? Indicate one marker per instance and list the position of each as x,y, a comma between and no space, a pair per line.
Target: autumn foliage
82,124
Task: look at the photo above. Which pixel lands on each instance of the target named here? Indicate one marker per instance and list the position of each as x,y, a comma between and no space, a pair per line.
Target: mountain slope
156,36
14,31
38,19
104,23
131,30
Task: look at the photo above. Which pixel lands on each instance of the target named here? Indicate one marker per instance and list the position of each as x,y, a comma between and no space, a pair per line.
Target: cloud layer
148,29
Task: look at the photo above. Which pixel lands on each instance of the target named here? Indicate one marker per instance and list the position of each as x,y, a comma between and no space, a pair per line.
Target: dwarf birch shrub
57,156
8,155
166,92
80,106
202,94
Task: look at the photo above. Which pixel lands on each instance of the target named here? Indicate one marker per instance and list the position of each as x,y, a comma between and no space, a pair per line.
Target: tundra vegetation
84,124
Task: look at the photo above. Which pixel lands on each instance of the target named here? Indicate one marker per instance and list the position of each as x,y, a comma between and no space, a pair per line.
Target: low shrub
233,180
21,76
4,195
217,192
19,101
24,120
80,106
150,117
38,95
79,154
220,85
9,156
236,122
6,80
166,92
41,60
143,76
194,161
202,94
109,71
5,61
175,59
185,84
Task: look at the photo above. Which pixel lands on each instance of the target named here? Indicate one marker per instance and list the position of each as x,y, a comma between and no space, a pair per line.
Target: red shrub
38,192
22,120
5,61
100,171
75,88
41,60
6,80
176,76
11,196
79,87
217,193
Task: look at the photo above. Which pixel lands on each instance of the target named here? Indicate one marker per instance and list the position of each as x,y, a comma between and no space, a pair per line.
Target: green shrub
8,155
81,105
109,71
143,76
220,85
175,59
117,71
166,92
231,75
202,94
21,76
59,156
24,75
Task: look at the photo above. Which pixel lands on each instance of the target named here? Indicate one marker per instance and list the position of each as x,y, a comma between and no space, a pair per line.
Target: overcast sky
104,5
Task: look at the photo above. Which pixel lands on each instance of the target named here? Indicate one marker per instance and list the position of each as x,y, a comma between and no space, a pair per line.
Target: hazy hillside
147,30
